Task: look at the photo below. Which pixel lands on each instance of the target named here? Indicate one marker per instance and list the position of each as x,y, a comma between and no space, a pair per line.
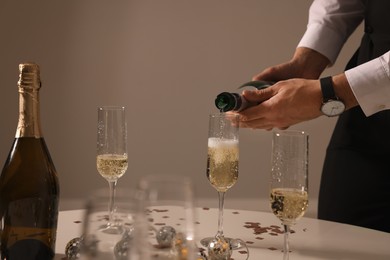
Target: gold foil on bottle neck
29,76
29,84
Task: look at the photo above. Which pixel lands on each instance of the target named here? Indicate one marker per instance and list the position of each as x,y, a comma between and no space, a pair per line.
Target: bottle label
30,218
28,249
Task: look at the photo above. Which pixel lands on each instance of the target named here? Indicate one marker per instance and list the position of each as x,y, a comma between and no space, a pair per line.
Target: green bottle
229,101
29,187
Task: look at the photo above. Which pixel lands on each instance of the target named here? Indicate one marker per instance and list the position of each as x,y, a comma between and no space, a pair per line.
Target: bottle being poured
228,101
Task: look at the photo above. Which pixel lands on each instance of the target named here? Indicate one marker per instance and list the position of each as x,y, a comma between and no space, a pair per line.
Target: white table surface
312,239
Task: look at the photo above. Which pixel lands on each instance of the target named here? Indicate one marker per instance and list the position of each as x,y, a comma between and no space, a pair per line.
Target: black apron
355,183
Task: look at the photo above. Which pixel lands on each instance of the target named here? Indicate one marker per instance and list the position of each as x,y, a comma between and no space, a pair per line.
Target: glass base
113,229
235,243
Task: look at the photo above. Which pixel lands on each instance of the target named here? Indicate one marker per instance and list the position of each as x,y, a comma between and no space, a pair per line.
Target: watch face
333,108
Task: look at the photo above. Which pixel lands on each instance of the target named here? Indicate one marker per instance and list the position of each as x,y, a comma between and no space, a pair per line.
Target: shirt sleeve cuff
370,83
324,40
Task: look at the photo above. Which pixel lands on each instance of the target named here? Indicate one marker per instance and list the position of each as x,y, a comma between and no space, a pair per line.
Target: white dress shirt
330,24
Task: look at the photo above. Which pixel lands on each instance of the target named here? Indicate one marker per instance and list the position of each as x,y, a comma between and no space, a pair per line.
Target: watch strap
327,88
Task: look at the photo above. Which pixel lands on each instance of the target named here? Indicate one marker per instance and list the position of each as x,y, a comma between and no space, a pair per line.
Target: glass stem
221,196
286,245
112,186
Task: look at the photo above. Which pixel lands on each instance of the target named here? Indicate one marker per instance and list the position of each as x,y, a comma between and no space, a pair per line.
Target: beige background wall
165,60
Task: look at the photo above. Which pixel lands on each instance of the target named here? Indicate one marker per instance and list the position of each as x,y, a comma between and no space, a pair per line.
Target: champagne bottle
29,188
227,101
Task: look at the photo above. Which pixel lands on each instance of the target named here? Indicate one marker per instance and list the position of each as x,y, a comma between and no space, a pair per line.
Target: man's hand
284,104
306,63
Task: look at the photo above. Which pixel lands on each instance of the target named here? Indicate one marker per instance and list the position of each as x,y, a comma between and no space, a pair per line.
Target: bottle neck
29,123
227,101
29,85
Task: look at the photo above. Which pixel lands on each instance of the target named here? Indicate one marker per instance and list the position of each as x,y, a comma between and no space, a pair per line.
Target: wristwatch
331,104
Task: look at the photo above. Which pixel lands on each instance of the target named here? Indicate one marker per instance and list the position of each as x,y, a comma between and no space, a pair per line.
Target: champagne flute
111,157
99,244
289,179
168,201
222,173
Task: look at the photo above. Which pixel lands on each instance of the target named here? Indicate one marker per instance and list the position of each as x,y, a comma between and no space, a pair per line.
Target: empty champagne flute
168,201
222,173
289,179
99,244
111,157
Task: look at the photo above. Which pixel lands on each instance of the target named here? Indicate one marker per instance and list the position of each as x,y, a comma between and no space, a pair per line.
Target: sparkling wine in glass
222,173
289,179
111,157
